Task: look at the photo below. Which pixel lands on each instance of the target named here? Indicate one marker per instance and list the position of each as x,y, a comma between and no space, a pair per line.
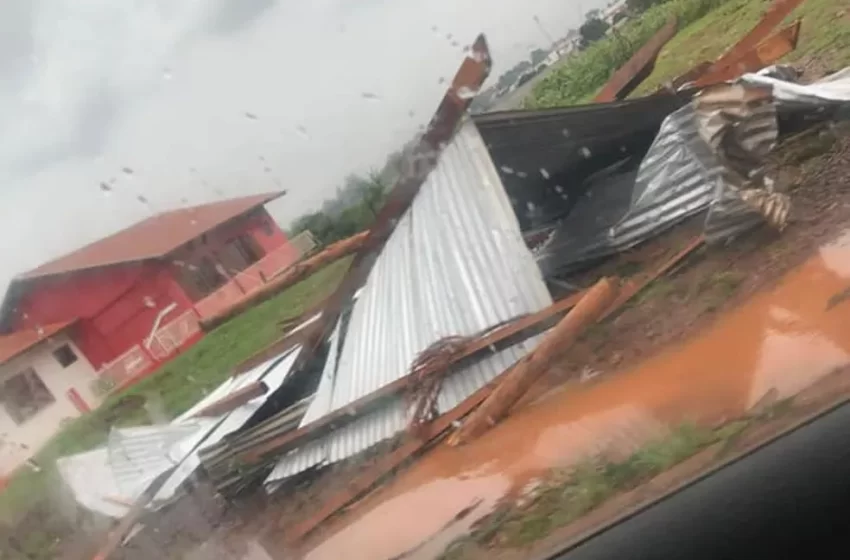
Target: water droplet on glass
411,114
434,28
267,169
251,116
584,151
506,169
467,48
370,96
565,133
465,92
141,198
544,173
105,188
302,131
127,170
449,36
559,189
521,174
441,80
455,44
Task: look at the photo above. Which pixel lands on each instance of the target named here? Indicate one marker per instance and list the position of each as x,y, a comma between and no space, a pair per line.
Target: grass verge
707,29
176,386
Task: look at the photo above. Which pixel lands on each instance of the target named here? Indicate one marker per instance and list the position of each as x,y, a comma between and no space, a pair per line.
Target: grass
707,29
177,385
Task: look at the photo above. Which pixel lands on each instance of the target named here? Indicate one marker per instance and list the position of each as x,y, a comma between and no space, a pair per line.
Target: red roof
14,344
152,238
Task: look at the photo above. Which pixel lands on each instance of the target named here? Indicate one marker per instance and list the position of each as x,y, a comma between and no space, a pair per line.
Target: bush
583,74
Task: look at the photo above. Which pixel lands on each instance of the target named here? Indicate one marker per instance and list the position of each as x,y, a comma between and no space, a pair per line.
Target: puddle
780,341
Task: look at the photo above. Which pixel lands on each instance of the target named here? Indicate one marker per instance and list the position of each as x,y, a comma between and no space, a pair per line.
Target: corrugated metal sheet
139,454
455,265
147,451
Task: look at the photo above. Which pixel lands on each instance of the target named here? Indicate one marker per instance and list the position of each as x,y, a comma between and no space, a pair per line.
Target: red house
133,299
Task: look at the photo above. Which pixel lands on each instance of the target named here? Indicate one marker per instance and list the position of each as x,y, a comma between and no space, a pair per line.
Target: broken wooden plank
774,15
629,76
291,276
530,368
766,53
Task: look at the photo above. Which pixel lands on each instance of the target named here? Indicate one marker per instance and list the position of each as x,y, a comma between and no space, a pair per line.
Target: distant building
116,309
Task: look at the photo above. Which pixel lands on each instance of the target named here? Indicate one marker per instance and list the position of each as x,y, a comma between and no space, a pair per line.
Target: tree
592,30
637,6
538,56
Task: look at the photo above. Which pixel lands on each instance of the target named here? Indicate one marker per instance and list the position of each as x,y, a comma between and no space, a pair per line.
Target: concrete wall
18,442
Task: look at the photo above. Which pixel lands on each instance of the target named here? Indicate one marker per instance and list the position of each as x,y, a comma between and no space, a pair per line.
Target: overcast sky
164,88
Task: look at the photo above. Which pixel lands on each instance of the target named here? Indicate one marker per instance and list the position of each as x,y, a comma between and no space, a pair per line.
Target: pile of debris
446,316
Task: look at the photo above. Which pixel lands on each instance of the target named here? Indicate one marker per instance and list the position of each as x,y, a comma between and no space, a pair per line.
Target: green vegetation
707,29
578,78
178,384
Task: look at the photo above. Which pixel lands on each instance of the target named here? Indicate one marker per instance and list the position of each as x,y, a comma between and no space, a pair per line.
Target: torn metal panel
544,157
139,454
455,265
93,485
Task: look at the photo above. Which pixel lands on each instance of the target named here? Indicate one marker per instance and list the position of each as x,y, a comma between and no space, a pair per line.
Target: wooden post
528,370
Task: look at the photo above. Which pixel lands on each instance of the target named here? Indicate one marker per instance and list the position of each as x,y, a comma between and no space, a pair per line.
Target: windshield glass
408,279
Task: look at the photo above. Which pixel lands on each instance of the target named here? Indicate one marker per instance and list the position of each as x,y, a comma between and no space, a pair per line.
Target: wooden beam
536,363
477,349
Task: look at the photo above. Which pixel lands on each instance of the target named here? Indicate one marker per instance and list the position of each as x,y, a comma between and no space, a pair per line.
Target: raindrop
251,116
465,92
544,173
521,174
302,131
441,80
455,44
127,170
267,169
559,189
434,29
623,149
584,151
167,74
184,200
105,188
449,36
370,96
506,169
261,158
530,206
141,198
411,114
112,180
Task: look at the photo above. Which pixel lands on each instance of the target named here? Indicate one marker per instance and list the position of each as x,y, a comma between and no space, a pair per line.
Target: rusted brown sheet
774,15
530,368
234,399
477,348
362,484
294,274
765,54
638,68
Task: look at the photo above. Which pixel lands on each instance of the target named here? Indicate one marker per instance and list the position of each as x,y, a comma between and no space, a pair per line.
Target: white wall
38,429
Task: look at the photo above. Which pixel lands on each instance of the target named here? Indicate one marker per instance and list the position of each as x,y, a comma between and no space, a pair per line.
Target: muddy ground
812,168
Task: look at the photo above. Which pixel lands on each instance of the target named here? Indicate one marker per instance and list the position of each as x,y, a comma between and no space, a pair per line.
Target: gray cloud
228,16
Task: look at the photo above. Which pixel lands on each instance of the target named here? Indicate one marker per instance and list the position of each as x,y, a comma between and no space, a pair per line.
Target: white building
44,382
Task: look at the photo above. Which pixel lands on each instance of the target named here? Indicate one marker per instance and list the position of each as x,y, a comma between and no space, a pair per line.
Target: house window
65,355
247,249
24,395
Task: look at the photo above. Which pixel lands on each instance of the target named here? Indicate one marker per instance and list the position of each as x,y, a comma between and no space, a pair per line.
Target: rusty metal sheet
764,54
638,68
774,15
